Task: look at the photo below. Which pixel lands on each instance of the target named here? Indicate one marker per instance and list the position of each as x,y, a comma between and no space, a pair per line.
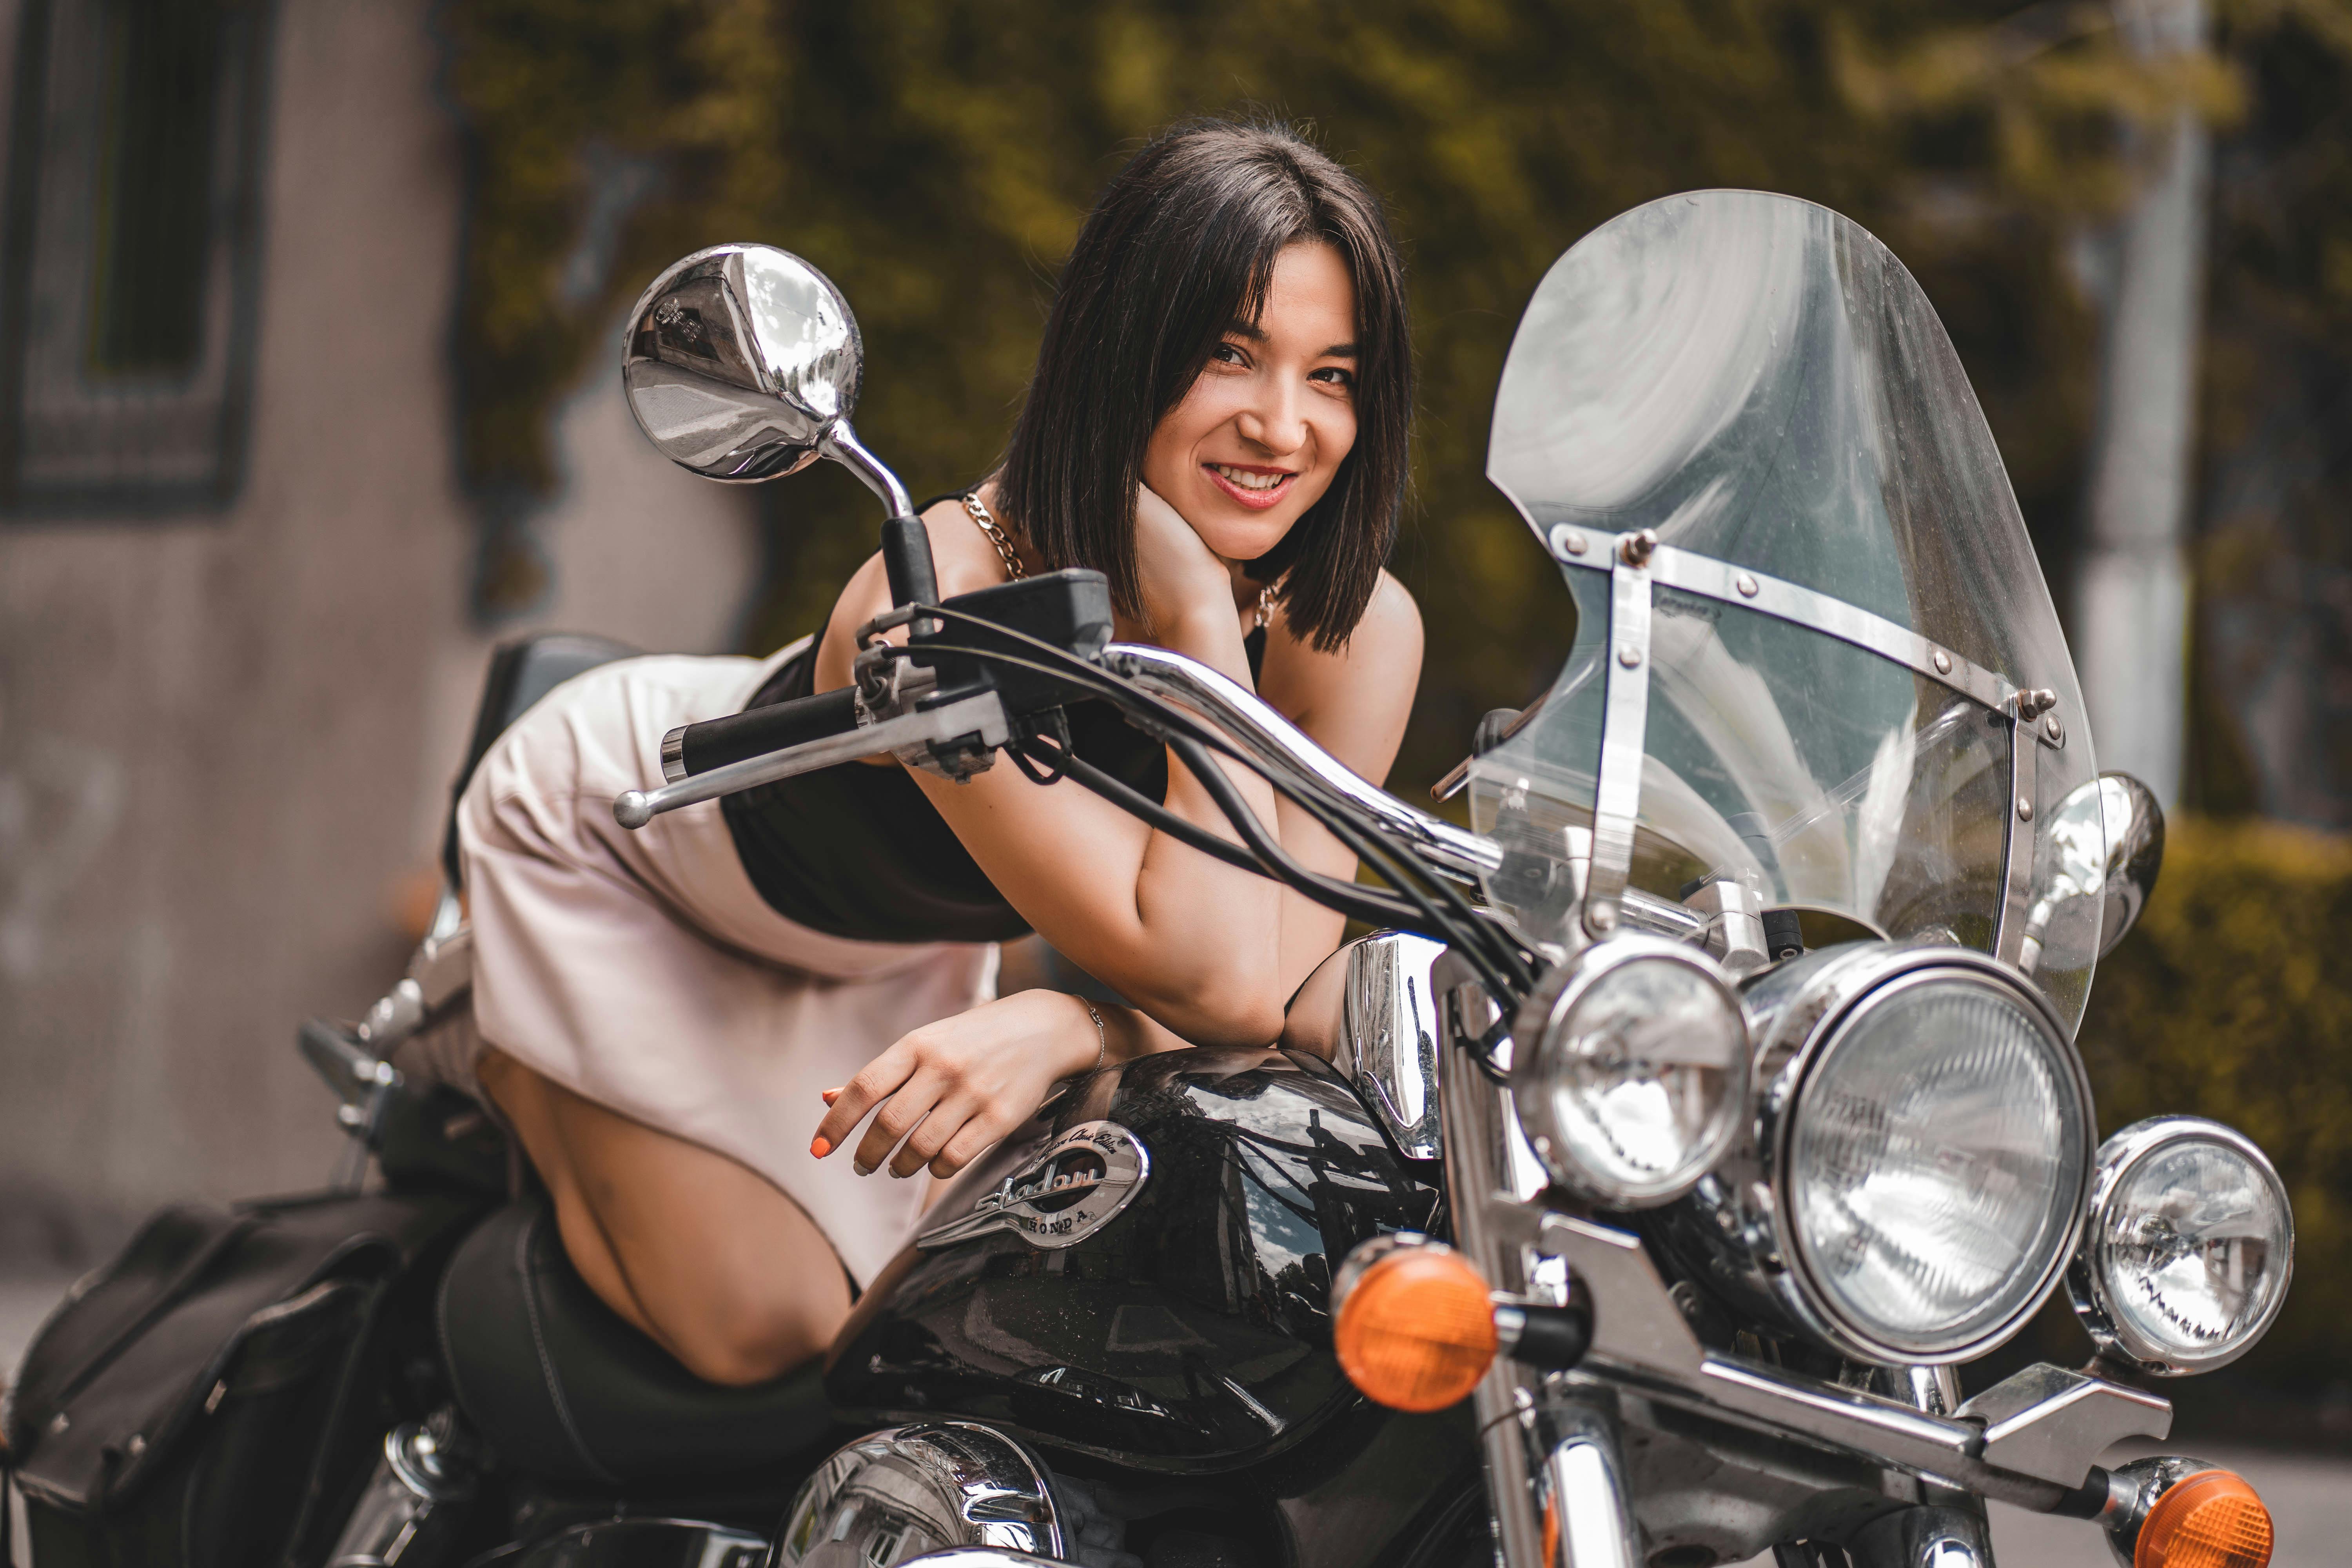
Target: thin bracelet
1102,1038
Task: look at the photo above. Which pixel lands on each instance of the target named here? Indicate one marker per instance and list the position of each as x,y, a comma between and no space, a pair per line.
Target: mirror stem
905,545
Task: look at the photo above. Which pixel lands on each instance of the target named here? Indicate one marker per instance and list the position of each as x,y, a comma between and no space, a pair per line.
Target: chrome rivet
2052,728
1603,917
1630,656
1943,662
1636,548
1746,585
1566,541
138,1444
59,1423
2024,809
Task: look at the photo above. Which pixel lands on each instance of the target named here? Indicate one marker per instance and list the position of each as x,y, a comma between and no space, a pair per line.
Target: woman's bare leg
706,1256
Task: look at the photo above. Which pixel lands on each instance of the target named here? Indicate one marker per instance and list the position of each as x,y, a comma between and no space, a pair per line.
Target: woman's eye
1226,353
1332,376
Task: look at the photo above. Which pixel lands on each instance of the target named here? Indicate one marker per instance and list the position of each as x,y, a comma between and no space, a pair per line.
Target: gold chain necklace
987,523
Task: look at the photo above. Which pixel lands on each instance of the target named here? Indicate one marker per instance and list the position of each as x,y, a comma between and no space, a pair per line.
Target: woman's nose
1276,418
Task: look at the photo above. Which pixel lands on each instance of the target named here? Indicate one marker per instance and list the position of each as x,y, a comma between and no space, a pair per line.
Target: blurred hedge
2233,999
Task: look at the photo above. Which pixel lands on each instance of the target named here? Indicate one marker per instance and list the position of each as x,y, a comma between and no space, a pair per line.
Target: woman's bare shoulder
961,555
1372,675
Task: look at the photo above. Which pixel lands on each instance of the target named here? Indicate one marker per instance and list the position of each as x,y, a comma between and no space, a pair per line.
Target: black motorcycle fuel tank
1144,1274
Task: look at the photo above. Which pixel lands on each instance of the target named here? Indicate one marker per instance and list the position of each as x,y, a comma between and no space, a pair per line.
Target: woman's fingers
850,1103
943,1121
972,1139
900,1114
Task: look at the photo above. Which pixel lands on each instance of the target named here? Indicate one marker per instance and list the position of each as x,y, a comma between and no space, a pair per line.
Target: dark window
127,286
154,196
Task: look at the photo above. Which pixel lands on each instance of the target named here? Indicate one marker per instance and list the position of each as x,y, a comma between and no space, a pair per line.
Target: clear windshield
1761,382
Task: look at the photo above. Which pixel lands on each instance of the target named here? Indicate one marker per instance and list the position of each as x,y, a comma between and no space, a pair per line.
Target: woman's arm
1211,952
1354,703
1195,943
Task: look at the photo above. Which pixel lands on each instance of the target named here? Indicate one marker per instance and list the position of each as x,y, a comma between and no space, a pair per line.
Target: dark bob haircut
1181,247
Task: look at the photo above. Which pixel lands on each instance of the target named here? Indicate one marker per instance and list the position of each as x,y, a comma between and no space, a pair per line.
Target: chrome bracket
1710,578
1624,719
2017,859
2027,1441
2040,1421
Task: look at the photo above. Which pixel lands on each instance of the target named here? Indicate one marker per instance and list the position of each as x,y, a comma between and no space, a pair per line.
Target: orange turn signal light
2210,1520
1417,1330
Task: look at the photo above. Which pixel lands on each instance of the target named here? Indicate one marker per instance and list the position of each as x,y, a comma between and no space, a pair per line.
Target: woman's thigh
704,1255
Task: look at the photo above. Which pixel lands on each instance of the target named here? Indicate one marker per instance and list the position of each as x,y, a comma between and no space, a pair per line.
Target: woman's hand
1181,576
960,1084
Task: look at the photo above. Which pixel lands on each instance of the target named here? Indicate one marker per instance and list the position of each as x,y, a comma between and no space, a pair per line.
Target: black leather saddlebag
212,1395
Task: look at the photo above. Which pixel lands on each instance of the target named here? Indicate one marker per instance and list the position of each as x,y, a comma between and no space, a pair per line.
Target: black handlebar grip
692,749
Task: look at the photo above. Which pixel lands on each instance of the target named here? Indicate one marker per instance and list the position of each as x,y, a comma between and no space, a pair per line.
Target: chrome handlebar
1274,740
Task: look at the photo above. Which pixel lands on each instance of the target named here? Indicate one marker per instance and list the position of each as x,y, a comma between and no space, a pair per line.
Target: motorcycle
1633,1197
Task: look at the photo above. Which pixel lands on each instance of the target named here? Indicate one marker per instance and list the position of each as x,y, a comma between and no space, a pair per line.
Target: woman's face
1258,438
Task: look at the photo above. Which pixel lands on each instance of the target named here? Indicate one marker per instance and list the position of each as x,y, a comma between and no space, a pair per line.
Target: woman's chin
1242,537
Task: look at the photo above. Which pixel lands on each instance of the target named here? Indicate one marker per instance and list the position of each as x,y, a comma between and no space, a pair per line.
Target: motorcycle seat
564,1389
521,673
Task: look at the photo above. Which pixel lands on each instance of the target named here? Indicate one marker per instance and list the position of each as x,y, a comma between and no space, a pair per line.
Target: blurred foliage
2233,999
936,156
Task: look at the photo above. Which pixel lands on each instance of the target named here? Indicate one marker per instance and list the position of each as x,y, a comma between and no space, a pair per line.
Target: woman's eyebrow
1339,350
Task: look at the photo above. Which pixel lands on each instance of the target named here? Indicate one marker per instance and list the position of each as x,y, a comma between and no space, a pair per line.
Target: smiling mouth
1251,487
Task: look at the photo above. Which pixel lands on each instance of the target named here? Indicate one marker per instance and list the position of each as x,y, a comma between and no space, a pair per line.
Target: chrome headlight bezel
2088,1280
1737,1233
1844,994
1537,1029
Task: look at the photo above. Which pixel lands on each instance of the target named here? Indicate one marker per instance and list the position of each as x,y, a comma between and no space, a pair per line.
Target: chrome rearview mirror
2135,835
743,364
2109,838
739,358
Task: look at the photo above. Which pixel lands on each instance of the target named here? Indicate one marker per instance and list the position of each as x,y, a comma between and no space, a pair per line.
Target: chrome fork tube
1555,1480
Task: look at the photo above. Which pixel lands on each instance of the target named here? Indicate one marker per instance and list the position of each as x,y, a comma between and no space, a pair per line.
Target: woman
1218,423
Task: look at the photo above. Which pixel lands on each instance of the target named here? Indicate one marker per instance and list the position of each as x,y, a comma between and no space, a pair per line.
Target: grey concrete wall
225,741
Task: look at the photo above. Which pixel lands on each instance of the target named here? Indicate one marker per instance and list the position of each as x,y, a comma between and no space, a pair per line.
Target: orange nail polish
828,1095
820,1147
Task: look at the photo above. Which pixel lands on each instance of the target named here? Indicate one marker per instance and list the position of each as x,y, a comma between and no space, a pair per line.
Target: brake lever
976,721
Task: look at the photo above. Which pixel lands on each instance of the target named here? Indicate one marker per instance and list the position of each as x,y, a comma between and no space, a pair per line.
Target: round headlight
1632,1073
1937,1151
2189,1246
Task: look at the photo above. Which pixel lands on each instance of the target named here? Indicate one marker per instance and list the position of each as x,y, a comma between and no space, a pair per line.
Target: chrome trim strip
1257,725
1712,579
673,754
1624,719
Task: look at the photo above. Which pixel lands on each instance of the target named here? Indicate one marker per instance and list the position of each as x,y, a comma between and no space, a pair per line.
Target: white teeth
1250,482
